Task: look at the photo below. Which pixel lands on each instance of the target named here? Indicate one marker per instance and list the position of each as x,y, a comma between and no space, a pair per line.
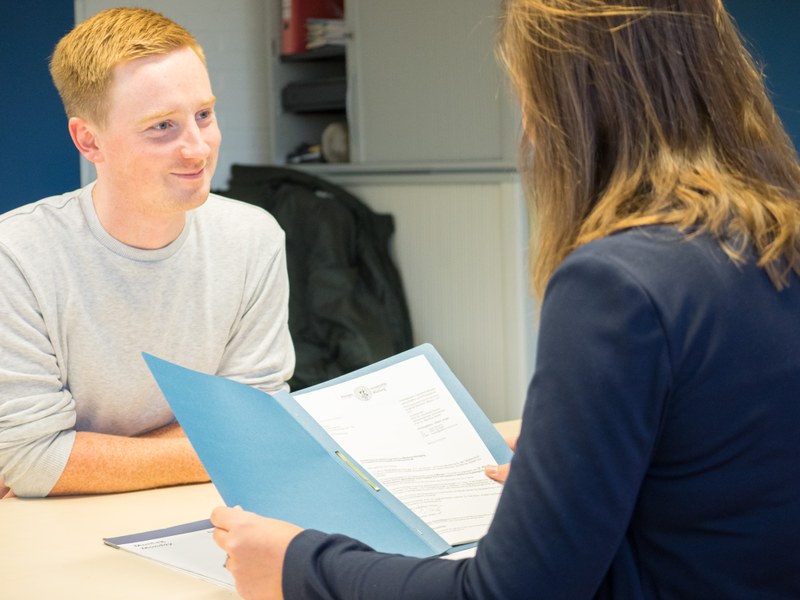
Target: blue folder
266,454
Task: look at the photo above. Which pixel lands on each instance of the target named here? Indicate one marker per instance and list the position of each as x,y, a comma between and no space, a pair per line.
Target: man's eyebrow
162,114
154,116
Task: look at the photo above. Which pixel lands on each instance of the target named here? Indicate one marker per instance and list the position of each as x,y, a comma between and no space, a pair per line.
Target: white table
53,547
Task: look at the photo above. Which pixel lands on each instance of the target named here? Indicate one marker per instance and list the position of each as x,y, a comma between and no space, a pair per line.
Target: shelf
487,172
322,53
316,95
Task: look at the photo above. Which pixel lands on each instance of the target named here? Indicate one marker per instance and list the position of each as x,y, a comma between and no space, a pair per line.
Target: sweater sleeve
325,567
589,428
37,413
260,351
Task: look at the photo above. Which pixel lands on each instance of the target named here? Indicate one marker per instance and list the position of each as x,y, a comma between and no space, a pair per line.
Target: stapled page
404,427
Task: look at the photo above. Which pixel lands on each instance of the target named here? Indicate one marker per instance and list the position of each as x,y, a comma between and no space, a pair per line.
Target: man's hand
500,472
256,547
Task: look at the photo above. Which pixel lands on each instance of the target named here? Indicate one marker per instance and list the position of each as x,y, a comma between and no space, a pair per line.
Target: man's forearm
101,464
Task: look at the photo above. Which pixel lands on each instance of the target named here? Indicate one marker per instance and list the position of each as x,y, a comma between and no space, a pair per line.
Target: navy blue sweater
660,448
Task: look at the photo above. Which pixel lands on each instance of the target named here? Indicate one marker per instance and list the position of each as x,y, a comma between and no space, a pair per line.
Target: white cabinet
461,246
426,85
423,85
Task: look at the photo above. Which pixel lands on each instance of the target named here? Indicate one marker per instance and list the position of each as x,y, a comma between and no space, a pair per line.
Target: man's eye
162,126
204,114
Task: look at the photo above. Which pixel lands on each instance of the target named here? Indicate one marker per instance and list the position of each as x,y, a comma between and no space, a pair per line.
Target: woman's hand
500,472
256,547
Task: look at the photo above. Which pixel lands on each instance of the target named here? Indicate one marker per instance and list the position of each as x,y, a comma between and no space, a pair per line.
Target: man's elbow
11,488
33,470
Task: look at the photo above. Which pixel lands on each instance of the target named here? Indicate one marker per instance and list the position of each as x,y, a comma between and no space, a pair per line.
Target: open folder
391,454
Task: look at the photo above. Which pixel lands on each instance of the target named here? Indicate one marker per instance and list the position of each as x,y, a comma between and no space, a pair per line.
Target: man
143,259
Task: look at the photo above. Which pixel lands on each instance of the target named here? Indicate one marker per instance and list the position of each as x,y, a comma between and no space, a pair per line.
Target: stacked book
324,32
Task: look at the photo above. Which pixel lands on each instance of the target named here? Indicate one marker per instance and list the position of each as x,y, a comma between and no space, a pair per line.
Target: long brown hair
645,112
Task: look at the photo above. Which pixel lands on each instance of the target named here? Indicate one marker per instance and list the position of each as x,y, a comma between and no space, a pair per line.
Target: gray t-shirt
78,307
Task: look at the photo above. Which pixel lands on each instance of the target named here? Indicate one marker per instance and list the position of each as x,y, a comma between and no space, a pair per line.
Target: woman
658,451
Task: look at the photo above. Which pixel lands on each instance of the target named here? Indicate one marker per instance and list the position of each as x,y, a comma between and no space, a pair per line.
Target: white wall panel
461,250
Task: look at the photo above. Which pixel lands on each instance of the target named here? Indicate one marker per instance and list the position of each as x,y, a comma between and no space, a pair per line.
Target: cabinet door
461,249
425,84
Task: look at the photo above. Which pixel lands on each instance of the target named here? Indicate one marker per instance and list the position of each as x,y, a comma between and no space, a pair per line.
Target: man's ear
84,136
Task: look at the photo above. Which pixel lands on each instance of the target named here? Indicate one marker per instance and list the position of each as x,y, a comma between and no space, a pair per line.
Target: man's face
159,146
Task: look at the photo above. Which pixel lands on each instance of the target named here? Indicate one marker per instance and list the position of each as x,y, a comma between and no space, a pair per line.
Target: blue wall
771,29
37,158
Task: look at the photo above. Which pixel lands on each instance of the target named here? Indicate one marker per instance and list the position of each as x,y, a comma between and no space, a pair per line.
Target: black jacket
347,307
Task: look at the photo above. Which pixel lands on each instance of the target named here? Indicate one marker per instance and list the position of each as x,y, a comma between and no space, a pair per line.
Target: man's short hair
83,60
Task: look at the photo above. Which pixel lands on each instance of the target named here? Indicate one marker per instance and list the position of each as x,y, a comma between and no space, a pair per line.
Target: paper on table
431,458
186,548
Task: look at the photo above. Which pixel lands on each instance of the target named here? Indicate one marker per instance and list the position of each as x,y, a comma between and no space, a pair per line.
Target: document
392,454
406,429
187,548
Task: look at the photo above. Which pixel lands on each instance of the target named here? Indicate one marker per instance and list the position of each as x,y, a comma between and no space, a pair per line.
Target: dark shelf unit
312,94
318,95
333,53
